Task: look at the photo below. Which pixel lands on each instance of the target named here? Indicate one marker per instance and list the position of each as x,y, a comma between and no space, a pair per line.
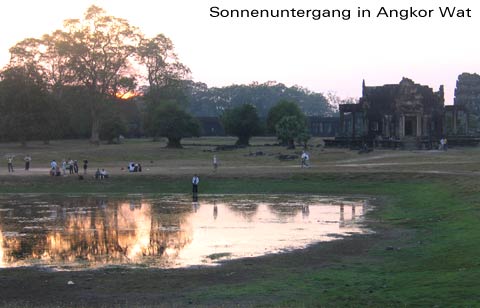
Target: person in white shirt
64,167
10,163
305,159
215,163
104,174
195,181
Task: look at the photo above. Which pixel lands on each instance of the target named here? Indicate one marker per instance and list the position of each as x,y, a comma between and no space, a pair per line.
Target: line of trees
100,77
213,101
285,120
76,74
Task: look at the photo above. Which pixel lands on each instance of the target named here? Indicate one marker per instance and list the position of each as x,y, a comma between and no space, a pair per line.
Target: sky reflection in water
168,232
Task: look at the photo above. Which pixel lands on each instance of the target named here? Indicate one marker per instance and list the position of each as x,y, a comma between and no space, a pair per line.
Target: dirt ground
259,159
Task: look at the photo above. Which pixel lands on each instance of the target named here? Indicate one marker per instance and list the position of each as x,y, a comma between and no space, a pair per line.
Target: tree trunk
95,137
243,141
291,144
174,143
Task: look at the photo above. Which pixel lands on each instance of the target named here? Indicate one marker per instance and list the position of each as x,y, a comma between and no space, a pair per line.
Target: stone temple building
393,115
463,118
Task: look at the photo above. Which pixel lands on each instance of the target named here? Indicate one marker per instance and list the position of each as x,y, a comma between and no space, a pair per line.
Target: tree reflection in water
76,233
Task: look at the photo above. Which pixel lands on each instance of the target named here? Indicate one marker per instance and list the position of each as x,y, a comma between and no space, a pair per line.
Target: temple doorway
411,126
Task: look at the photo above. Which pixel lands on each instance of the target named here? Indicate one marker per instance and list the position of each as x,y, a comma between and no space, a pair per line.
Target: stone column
454,117
401,126
353,124
419,125
467,122
342,123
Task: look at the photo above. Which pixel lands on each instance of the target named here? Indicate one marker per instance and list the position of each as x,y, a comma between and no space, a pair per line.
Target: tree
214,101
112,128
168,120
99,49
280,110
243,122
290,128
101,55
335,101
164,70
28,111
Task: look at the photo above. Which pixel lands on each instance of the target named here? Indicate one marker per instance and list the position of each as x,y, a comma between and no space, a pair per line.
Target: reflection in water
215,210
76,233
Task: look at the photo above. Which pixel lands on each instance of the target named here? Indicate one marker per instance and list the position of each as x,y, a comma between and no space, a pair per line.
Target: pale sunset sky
323,55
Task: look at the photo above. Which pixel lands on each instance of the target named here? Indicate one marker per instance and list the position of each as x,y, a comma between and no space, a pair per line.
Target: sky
325,55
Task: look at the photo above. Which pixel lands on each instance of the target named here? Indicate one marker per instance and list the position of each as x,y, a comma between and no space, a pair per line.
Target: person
85,166
75,167
195,181
97,174
305,159
70,166
27,160
10,164
64,167
139,169
57,170
53,167
445,145
103,174
215,163
441,145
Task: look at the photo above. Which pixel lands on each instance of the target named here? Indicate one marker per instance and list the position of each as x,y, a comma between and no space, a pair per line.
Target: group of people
134,167
71,165
10,158
101,174
443,146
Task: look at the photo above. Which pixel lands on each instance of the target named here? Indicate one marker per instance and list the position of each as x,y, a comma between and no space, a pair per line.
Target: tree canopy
28,111
205,101
282,109
291,128
102,54
243,122
170,121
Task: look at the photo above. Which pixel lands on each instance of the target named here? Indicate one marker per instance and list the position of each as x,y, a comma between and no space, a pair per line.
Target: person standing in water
215,163
195,181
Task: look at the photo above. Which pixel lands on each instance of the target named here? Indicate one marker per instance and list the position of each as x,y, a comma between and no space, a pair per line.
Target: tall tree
28,111
290,128
161,62
243,122
282,109
170,121
102,54
99,49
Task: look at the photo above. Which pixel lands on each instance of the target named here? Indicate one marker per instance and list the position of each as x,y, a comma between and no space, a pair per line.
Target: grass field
424,252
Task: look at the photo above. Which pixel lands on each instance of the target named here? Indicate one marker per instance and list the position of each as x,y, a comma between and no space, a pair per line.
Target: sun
126,95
